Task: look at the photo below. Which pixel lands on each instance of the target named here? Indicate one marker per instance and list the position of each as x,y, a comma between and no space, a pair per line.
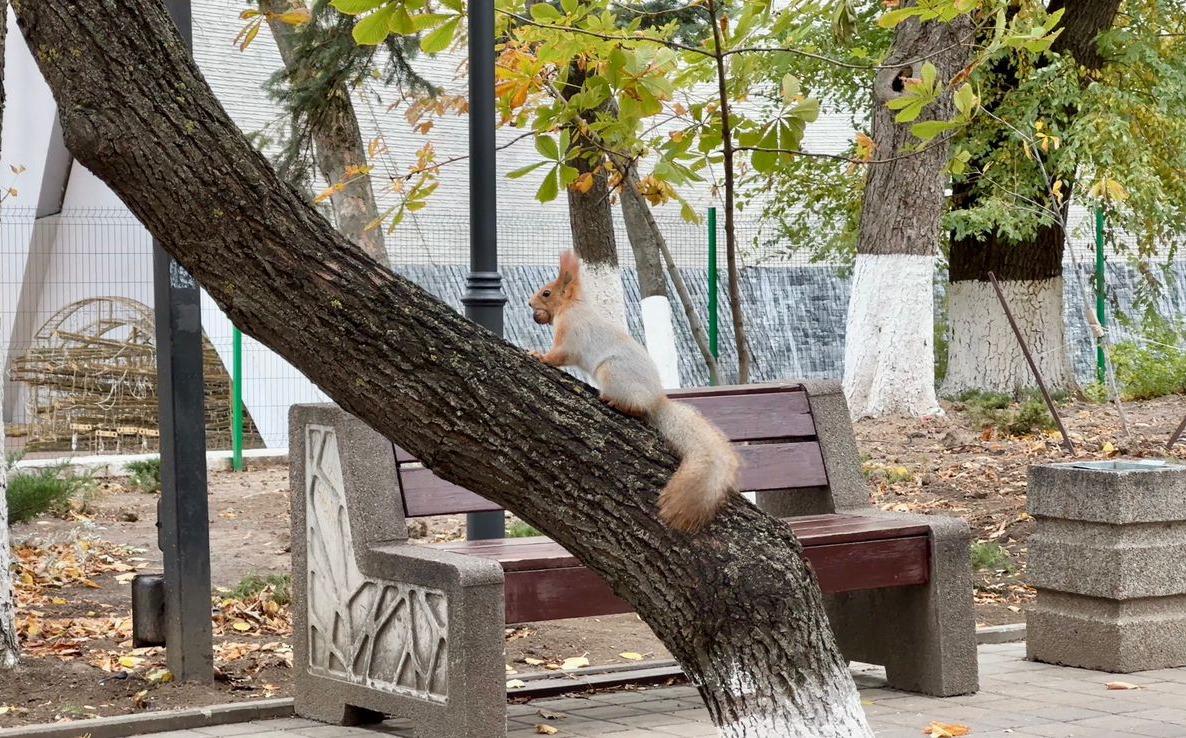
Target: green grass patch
989,555
1154,366
252,585
519,529
47,490
145,475
998,410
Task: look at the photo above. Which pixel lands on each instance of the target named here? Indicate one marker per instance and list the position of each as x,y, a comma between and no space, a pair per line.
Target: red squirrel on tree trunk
629,383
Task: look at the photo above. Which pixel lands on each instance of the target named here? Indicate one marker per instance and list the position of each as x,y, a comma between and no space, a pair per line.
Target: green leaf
544,13
374,29
894,17
356,7
546,146
570,6
524,171
441,37
909,113
965,99
929,75
790,88
457,6
929,129
806,111
550,187
401,22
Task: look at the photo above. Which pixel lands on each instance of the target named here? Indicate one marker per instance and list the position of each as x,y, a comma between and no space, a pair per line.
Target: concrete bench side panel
381,626
925,636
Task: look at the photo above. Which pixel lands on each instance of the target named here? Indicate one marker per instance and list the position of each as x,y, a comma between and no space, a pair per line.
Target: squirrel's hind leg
624,407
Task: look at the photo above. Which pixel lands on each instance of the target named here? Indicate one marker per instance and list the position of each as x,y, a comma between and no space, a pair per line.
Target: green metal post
237,400
713,327
1100,289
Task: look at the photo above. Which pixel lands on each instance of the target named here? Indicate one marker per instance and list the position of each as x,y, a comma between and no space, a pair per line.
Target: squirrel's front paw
537,355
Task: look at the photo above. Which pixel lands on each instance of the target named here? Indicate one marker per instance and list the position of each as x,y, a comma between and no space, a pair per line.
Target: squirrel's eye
547,293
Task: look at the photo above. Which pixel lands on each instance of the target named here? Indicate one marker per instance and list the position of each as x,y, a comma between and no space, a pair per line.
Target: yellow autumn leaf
160,676
1108,448
945,730
574,662
241,625
545,729
533,662
130,662
329,192
631,656
583,183
296,17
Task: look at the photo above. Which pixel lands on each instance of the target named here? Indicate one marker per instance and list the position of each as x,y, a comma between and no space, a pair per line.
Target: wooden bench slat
540,552
573,592
767,466
758,416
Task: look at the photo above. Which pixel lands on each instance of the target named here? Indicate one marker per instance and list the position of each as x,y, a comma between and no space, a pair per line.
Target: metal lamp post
484,298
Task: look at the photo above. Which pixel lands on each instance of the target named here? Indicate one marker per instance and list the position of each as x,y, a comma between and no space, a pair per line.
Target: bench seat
847,553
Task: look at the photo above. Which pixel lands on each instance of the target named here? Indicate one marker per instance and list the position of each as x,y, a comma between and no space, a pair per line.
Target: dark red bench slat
758,416
764,467
574,591
540,552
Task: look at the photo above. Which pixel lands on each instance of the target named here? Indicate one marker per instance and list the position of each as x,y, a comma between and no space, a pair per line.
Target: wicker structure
91,375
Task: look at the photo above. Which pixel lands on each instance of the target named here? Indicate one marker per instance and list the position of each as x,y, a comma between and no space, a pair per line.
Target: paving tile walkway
1018,699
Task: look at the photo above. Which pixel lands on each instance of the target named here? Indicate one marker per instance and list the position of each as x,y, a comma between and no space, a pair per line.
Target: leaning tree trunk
737,606
645,237
9,647
983,352
889,354
337,140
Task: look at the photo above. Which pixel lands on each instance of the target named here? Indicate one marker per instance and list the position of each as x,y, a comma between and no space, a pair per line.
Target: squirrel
629,383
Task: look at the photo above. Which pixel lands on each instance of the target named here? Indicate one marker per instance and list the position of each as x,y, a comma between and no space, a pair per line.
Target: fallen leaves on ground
574,662
545,729
630,656
258,614
1121,685
945,730
43,569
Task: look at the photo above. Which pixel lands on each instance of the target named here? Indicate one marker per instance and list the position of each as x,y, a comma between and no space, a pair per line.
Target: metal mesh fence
76,315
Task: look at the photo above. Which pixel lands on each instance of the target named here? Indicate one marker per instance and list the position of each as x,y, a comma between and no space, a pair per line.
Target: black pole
484,298
182,517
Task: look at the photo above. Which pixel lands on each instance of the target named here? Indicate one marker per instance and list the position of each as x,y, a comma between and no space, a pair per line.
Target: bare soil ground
74,572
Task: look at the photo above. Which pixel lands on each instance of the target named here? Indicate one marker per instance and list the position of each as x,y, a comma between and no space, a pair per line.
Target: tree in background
889,354
323,69
9,646
1040,122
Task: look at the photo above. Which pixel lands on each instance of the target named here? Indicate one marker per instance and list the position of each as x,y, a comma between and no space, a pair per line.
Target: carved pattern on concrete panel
386,635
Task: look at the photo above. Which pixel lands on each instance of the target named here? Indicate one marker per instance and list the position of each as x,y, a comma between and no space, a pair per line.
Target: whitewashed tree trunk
660,338
602,284
9,648
889,352
984,353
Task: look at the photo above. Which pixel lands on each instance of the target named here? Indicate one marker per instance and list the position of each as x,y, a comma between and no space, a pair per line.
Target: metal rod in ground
237,400
713,318
1025,349
1101,371
1177,435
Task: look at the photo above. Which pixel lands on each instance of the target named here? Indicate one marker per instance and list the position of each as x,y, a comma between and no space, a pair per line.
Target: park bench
386,626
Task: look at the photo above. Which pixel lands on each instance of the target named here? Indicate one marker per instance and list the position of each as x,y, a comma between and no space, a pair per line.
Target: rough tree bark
9,646
645,238
983,353
889,355
337,142
737,605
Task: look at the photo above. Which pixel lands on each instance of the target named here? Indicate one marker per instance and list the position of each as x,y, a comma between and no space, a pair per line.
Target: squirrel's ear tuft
570,267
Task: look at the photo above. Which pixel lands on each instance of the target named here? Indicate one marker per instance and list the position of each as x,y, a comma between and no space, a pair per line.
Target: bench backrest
771,426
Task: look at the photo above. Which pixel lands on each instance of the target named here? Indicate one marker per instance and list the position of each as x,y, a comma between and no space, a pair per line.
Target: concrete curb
116,465
121,726
989,634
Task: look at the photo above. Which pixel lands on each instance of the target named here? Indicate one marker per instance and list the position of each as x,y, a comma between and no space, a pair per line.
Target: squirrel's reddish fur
630,383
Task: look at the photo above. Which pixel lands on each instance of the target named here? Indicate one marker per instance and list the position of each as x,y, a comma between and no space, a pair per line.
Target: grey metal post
484,298
184,529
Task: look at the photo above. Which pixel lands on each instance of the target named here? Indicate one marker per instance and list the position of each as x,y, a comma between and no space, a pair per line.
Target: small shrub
1031,416
989,555
1097,393
252,585
889,474
1154,366
519,529
145,475
36,492
997,410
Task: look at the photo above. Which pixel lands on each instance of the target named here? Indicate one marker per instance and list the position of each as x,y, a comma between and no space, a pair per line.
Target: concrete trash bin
1109,562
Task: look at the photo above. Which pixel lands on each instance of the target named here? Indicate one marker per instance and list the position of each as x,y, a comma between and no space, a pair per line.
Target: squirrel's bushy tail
707,472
